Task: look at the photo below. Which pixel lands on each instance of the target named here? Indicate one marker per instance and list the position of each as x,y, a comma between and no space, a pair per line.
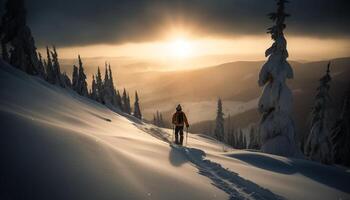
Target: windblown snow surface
58,145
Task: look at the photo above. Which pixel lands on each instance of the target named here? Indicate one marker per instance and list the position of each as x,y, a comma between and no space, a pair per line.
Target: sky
180,30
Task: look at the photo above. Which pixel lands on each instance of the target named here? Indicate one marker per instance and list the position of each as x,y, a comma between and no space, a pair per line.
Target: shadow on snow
327,175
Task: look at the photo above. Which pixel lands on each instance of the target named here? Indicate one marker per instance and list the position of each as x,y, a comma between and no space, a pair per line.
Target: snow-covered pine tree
50,77
276,126
106,80
75,78
137,110
115,99
231,140
93,94
161,122
66,80
124,101
234,139
244,144
341,134
239,143
107,88
318,146
41,67
15,33
227,128
128,105
119,100
82,85
158,119
155,120
253,138
219,128
110,76
99,84
56,68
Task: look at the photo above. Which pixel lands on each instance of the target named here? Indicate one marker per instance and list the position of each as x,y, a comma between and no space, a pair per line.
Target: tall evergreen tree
318,146
137,110
82,85
15,33
161,122
66,82
276,126
57,76
106,80
154,119
115,99
107,88
158,117
341,134
45,64
111,77
124,101
251,139
244,144
49,67
94,92
128,105
75,78
219,128
231,140
227,128
239,144
41,67
119,100
99,84
254,142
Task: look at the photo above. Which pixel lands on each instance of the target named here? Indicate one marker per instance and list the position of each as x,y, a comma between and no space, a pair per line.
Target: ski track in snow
224,179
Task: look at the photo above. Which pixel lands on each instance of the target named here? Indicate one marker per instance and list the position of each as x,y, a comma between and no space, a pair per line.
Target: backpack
180,118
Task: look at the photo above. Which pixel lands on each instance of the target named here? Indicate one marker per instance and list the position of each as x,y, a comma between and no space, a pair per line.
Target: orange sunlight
178,51
180,48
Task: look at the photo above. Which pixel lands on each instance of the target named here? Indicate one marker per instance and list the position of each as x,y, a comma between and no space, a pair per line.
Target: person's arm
186,122
173,120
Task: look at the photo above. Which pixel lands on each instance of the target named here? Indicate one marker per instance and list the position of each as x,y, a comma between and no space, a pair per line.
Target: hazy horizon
179,54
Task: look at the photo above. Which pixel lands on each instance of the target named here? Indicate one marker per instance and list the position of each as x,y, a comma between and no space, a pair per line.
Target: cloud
85,22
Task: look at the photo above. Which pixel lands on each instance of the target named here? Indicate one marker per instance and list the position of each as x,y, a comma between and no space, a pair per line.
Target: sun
180,48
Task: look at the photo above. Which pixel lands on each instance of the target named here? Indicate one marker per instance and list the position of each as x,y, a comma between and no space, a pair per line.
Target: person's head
178,108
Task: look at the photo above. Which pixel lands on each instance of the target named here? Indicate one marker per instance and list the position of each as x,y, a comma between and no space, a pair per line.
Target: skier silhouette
179,120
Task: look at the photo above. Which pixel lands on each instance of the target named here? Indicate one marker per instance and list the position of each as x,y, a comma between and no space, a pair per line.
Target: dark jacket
179,119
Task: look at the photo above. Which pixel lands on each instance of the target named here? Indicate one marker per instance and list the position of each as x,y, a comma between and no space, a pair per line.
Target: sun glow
181,51
180,48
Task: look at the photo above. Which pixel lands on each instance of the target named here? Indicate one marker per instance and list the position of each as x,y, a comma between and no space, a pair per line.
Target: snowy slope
57,145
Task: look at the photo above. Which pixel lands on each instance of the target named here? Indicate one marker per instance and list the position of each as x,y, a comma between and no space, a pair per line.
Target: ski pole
172,135
186,136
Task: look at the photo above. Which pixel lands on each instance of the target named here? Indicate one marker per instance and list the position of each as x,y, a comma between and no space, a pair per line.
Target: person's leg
181,135
176,135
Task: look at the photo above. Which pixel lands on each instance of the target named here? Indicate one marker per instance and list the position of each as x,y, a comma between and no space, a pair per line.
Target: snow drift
58,145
